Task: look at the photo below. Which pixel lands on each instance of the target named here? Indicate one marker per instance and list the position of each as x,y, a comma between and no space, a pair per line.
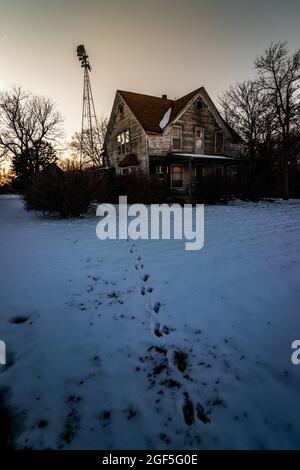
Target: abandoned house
182,141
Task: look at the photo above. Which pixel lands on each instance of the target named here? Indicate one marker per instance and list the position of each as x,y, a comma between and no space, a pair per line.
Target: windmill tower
89,123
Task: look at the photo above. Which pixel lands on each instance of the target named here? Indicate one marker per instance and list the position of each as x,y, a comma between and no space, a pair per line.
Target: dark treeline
265,111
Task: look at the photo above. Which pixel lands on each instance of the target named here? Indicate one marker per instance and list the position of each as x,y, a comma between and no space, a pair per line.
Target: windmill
89,124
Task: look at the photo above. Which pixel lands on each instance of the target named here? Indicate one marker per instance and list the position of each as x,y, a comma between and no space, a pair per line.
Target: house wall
160,144
193,117
138,141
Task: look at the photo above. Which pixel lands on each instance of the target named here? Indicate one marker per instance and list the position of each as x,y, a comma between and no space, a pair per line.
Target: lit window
177,176
123,142
176,136
199,140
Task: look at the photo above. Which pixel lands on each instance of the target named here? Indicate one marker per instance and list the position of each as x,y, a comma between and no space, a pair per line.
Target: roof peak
162,97
150,110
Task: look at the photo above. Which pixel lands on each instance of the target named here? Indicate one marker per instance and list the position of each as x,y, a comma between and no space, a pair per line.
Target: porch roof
199,156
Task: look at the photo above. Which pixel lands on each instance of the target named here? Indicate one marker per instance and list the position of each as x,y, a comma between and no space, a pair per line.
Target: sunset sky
153,47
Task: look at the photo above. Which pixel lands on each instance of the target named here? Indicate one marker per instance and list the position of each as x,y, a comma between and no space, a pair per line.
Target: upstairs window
123,142
199,140
219,142
176,138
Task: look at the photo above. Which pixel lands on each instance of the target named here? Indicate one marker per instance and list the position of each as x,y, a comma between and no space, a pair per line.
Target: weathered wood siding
193,117
160,144
138,140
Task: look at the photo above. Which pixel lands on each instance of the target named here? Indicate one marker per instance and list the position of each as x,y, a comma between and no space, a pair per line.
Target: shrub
213,190
67,193
140,189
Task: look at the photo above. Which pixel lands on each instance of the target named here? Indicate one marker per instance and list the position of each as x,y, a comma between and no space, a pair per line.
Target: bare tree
29,126
246,108
70,163
91,144
279,78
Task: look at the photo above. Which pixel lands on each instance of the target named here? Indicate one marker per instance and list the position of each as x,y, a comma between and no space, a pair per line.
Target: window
208,171
199,104
199,140
123,142
177,176
176,137
125,171
219,142
160,170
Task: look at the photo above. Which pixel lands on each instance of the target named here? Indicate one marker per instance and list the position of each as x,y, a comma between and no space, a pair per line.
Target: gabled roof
150,110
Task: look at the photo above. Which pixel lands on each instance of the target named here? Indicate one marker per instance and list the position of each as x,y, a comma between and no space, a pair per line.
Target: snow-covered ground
121,344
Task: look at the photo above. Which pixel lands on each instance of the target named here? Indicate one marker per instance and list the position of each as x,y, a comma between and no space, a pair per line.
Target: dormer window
176,138
123,142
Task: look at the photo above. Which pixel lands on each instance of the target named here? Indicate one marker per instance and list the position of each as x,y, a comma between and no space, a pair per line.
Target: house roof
130,160
150,111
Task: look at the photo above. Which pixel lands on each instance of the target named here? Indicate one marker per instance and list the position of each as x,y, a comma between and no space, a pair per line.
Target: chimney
164,96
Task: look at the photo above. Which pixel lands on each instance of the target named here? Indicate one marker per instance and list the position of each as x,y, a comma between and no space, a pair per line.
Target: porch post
190,181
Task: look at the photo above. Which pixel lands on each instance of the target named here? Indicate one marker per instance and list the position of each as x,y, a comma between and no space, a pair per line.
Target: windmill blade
81,51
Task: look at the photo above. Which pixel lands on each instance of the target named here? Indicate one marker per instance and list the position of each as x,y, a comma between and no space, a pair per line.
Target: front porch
186,173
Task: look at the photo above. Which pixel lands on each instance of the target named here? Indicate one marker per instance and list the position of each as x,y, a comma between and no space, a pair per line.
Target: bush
141,189
67,193
261,179
213,190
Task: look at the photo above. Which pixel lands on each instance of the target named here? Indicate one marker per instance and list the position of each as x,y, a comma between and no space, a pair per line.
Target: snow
111,344
166,118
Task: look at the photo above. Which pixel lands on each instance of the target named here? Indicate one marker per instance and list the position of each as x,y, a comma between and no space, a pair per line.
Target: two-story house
182,140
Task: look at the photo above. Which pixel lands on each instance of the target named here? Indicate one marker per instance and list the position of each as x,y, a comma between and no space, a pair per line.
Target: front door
176,176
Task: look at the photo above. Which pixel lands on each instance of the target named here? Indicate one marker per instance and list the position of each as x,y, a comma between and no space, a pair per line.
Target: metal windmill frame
89,122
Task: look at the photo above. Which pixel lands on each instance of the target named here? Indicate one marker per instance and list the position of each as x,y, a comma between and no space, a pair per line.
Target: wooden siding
144,144
160,144
190,119
138,140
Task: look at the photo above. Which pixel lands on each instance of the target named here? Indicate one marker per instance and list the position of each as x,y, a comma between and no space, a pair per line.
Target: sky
155,47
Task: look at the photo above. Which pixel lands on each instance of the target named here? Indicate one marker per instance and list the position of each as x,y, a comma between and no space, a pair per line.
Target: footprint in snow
143,291
188,410
17,320
156,307
161,330
181,360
